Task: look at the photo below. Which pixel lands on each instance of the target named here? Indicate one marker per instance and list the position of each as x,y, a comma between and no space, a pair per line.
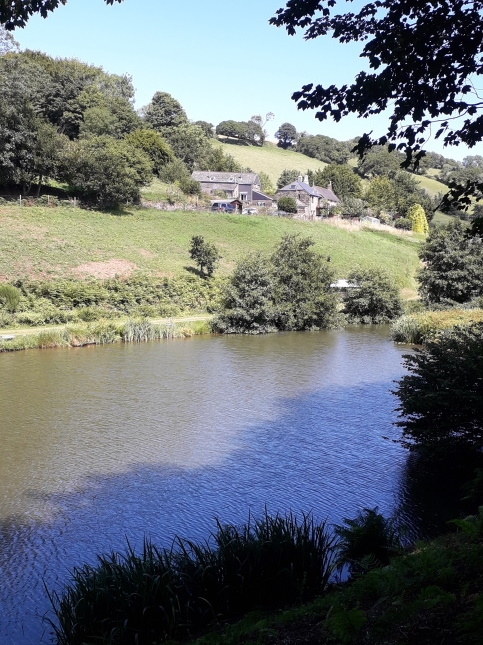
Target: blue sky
220,59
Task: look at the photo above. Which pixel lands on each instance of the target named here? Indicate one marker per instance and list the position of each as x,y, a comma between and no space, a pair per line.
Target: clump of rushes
163,594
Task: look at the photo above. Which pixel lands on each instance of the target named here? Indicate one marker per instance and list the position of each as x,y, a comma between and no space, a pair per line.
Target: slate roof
313,191
226,177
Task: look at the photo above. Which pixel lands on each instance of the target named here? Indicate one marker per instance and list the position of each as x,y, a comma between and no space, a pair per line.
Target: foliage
208,128
397,194
266,184
367,541
248,131
153,144
8,43
422,79
452,268
205,254
375,300
286,135
353,207
323,148
380,162
174,171
403,223
418,328
161,594
106,172
247,303
215,159
287,177
9,297
188,143
345,183
287,204
302,295
417,216
164,111
17,14
190,186
441,398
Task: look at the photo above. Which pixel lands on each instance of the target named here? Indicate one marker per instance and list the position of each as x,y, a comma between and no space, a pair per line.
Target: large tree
286,135
164,111
345,183
424,58
453,264
16,14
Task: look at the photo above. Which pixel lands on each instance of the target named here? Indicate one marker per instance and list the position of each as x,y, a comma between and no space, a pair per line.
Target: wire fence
42,200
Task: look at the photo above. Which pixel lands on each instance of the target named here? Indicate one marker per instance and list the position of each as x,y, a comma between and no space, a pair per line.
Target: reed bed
102,332
165,594
418,328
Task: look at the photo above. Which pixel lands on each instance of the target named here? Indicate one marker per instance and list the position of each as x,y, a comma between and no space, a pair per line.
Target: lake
101,445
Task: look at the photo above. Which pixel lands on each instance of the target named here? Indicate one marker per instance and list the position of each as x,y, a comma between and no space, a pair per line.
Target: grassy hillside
270,159
56,242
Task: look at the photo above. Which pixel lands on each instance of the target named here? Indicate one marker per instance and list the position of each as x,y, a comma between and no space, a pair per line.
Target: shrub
367,541
287,204
375,299
441,398
190,186
9,297
205,254
247,304
403,223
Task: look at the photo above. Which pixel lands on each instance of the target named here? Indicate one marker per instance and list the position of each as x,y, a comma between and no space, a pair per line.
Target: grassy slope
270,159
50,242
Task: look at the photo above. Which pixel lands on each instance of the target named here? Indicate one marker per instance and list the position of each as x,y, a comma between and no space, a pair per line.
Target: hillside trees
164,111
152,144
424,59
247,131
287,177
286,135
345,183
375,299
323,148
105,172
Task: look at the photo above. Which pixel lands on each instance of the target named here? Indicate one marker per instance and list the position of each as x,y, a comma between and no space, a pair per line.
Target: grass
53,243
419,327
270,159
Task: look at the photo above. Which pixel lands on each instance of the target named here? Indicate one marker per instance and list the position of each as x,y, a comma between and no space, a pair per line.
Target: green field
58,242
270,159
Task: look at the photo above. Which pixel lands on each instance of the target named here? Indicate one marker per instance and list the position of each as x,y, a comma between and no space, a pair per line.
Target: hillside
270,159
71,242
274,160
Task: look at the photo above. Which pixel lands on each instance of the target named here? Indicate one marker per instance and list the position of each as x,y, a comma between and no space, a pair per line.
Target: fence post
20,200
48,200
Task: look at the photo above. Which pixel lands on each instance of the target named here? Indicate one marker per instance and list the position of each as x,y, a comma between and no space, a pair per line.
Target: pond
106,444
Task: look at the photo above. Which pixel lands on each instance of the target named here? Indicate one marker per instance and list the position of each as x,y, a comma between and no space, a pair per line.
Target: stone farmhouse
243,186
312,201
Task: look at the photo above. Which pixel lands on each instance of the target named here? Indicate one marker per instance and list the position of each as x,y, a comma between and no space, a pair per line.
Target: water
100,445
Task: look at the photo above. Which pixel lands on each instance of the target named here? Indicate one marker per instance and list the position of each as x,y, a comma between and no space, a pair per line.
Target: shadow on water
434,491
328,459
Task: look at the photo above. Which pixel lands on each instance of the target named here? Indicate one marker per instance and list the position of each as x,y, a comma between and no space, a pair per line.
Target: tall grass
417,328
164,594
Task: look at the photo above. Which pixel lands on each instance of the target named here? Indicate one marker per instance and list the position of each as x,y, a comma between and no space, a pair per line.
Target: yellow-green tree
418,218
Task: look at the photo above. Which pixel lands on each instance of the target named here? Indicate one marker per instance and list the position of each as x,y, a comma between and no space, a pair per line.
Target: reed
158,595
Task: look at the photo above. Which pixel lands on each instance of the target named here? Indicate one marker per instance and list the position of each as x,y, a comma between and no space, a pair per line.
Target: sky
219,58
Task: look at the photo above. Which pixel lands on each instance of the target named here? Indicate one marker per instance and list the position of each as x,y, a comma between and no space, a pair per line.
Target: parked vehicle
224,207
250,211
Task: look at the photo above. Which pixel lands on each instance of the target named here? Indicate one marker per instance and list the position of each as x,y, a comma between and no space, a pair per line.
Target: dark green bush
287,204
375,299
403,223
9,297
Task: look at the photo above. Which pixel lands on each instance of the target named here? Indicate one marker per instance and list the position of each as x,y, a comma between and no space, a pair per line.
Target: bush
190,186
441,398
247,305
205,254
403,223
375,299
367,542
9,297
287,204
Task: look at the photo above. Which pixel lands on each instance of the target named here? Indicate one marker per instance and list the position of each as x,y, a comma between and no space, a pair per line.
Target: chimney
329,185
300,178
306,179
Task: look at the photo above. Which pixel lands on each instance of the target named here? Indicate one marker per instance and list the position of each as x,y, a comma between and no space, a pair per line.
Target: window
244,197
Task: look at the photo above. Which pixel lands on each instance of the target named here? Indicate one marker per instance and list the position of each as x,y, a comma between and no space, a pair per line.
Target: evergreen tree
418,219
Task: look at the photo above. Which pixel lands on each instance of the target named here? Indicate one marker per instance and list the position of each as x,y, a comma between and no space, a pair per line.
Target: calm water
103,444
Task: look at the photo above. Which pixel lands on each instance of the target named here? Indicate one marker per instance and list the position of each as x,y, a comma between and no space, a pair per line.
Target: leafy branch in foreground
16,14
424,58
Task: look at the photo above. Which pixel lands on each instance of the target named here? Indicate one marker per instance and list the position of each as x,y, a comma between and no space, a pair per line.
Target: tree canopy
424,58
16,14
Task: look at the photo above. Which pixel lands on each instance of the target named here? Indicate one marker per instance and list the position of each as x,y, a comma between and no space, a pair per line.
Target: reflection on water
104,444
